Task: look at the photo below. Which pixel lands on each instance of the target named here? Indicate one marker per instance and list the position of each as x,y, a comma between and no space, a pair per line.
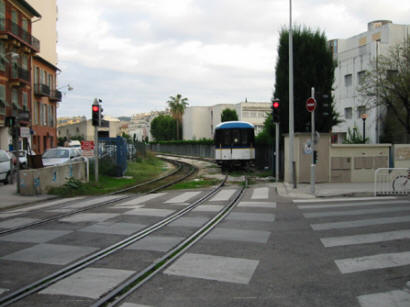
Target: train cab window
245,133
227,137
236,136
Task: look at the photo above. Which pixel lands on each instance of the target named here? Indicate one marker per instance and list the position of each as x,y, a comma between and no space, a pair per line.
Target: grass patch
137,172
195,184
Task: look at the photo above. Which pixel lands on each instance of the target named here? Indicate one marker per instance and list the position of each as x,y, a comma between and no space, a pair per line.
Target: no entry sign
311,104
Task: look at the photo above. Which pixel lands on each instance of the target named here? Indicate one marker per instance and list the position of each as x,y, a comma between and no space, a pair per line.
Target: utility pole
313,165
291,115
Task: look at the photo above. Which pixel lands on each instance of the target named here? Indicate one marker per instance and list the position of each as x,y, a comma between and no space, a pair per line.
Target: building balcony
11,30
41,90
55,95
18,75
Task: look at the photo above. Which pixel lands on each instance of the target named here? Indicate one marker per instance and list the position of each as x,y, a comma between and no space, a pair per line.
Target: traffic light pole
96,153
277,152
313,165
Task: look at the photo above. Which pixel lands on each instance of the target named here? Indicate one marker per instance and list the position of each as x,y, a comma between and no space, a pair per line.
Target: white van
74,143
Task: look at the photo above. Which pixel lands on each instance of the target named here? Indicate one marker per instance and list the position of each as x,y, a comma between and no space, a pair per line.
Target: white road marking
260,193
182,197
366,238
372,203
224,195
380,261
396,298
327,200
355,212
361,223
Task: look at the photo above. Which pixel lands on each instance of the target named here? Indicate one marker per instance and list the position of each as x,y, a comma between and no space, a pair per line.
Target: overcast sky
134,54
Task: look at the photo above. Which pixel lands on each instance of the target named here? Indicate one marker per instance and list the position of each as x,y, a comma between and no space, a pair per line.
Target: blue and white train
234,143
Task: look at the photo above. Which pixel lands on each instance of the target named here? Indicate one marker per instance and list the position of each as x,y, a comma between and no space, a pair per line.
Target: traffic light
275,110
315,157
10,121
95,114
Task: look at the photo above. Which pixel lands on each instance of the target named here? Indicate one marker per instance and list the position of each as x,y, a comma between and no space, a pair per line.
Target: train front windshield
234,137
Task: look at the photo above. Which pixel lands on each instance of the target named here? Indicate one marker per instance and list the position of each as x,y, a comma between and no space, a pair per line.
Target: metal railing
55,95
7,25
17,72
392,181
41,89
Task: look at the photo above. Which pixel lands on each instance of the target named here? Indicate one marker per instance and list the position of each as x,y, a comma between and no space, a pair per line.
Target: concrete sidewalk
326,190
10,199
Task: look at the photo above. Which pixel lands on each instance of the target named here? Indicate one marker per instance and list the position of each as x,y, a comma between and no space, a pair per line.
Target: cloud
136,53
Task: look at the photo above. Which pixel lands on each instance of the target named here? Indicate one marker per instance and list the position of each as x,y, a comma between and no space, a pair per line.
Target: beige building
199,122
85,129
45,29
354,56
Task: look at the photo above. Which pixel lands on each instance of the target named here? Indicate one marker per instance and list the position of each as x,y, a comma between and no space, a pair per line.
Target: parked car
22,154
5,167
60,155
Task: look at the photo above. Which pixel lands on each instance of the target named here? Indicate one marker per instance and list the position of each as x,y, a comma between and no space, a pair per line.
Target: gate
112,153
392,181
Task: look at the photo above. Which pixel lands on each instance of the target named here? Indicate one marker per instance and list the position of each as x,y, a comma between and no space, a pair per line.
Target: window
25,101
2,99
2,14
24,61
361,110
348,80
360,76
36,73
35,112
15,98
2,56
348,113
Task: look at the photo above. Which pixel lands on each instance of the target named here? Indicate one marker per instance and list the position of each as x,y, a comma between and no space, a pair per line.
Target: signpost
311,106
87,148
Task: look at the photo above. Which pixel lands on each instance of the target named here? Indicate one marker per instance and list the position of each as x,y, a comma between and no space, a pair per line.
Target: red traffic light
95,108
275,104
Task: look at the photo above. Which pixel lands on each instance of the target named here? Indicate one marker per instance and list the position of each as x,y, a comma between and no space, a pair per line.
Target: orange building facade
44,105
17,48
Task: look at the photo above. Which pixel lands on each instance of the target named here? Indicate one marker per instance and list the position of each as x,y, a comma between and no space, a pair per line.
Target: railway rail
139,278
183,171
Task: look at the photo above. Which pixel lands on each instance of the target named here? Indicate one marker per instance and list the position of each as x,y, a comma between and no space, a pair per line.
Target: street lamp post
364,116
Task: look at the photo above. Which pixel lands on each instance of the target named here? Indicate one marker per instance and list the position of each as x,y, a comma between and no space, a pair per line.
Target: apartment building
17,48
200,121
85,129
353,57
45,95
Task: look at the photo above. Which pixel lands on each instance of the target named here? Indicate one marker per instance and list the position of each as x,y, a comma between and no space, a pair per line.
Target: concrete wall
357,162
41,180
401,155
339,162
304,160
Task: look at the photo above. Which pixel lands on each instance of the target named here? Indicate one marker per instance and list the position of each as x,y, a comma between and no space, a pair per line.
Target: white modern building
199,122
354,56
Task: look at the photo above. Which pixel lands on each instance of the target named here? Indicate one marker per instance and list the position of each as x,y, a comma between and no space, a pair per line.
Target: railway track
183,170
136,280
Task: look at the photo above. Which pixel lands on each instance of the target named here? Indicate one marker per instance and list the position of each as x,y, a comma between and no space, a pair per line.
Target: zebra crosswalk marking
355,212
366,238
380,261
361,223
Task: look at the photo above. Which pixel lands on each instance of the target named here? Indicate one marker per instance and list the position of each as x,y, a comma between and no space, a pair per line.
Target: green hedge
194,142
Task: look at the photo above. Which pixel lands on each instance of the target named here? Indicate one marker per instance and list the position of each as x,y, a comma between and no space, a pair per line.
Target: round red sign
311,104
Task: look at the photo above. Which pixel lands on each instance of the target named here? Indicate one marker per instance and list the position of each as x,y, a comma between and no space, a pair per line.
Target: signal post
96,115
276,119
311,106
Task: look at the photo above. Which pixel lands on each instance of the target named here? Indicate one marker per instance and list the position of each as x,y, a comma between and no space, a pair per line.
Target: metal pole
96,153
277,153
16,153
312,166
291,115
364,130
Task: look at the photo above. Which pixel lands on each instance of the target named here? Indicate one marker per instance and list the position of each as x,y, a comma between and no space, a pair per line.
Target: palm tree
177,106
